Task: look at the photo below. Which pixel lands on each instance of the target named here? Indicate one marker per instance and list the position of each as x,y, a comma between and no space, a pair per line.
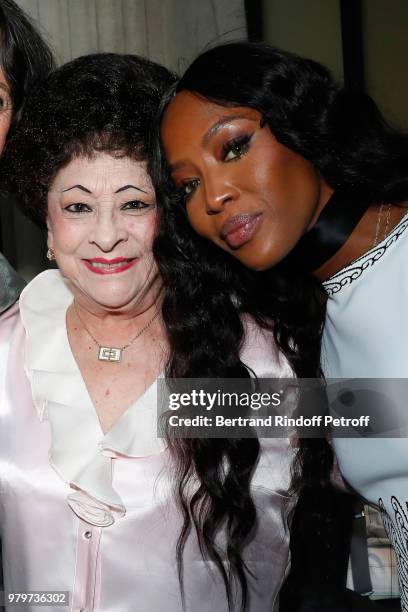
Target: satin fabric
94,514
337,220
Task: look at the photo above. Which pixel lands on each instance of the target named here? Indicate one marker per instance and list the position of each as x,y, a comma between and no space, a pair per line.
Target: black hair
207,293
102,102
345,138
341,132
24,56
206,296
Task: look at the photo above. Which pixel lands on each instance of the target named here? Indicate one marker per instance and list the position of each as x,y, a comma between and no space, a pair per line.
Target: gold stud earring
50,255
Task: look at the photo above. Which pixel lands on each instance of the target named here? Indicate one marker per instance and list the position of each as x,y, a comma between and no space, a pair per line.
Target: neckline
80,452
133,405
354,270
59,303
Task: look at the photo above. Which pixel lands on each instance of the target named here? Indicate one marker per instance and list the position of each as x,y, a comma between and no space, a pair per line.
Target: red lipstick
100,265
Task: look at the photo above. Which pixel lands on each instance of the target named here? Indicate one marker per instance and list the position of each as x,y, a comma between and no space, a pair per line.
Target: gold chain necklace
113,353
387,223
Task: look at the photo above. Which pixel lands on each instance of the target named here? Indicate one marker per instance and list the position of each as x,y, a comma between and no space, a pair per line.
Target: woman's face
5,109
101,223
244,190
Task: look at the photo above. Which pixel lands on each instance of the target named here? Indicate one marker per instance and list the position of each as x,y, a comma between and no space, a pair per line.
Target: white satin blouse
94,514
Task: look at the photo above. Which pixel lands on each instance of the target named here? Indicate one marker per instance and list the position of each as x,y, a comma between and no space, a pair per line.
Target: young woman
283,171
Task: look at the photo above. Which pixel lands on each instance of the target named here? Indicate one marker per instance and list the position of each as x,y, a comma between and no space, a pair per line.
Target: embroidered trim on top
345,276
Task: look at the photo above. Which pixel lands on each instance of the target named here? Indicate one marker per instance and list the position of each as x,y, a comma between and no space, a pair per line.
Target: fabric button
88,536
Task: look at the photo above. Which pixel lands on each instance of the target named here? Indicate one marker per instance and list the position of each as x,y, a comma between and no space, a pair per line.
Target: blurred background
363,42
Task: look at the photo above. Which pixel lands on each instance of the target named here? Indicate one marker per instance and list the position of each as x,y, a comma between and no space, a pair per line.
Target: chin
259,254
259,261
258,264
113,302
260,268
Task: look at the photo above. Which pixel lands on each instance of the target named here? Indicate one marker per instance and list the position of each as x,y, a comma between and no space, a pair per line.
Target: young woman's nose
219,191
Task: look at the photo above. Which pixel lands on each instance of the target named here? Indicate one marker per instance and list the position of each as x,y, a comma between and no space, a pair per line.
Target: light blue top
366,337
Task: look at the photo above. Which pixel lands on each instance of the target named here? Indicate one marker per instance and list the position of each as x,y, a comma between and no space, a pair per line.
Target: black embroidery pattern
345,277
397,531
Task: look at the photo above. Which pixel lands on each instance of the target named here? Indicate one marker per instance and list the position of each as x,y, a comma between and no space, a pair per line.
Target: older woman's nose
107,232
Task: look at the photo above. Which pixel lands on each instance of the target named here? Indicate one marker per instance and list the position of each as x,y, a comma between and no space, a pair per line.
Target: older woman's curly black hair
102,102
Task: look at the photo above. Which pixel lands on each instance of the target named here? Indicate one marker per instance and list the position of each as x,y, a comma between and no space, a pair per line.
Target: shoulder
41,306
12,347
260,352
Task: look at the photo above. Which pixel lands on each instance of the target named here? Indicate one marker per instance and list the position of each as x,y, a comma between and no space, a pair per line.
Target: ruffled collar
80,452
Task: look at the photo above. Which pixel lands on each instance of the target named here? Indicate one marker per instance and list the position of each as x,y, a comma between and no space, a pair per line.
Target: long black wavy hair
207,292
206,295
345,138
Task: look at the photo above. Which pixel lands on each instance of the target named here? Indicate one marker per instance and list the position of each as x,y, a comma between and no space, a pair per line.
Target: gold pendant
110,353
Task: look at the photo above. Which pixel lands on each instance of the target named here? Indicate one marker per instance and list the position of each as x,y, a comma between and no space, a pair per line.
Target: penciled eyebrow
124,188
81,187
130,187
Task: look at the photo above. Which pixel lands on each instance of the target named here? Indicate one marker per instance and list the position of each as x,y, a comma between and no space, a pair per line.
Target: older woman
24,58
92,502
293,177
